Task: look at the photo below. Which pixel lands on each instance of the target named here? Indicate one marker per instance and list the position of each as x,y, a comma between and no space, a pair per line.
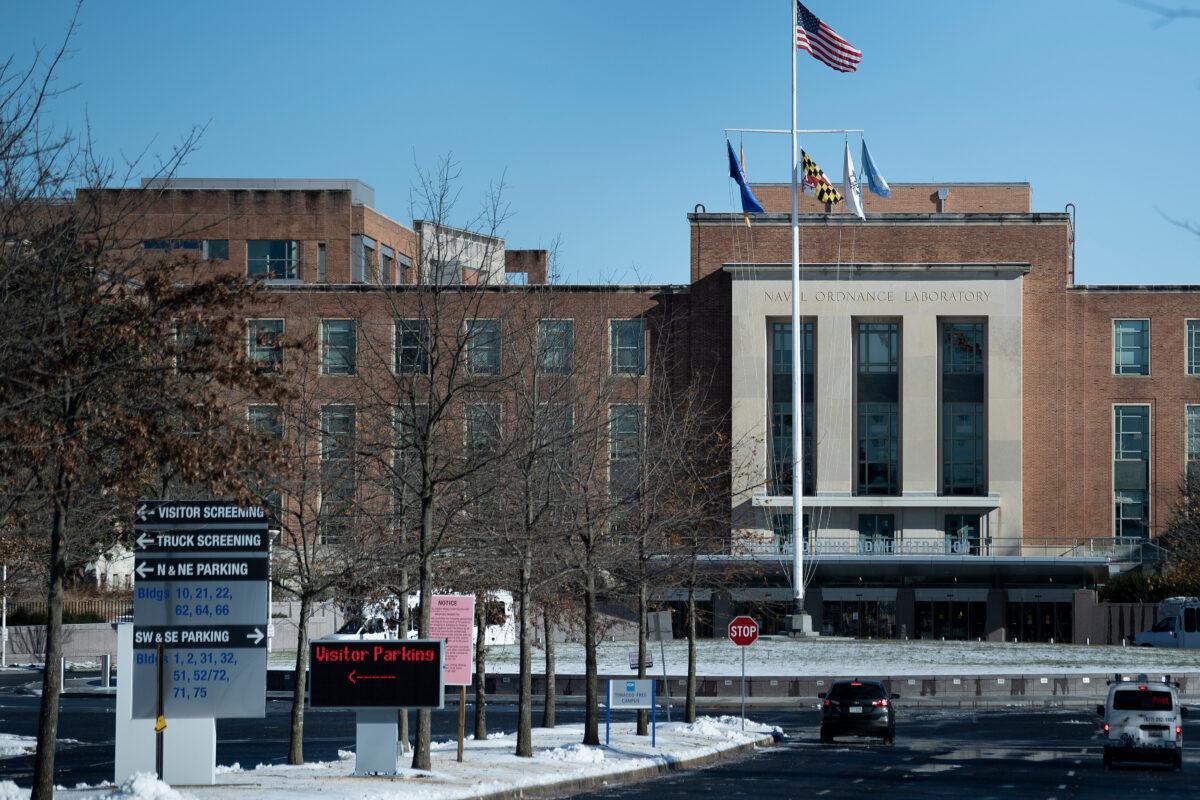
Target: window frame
269,366
353,369
1187,360
640,452
423,366
1116,350
469,346
643,349
293,264
570,349
1149,467
323,537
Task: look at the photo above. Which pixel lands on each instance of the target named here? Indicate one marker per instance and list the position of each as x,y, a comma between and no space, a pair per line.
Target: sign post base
375,742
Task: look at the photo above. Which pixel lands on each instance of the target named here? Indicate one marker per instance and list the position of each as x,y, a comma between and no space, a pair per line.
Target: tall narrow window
627,346
1193,347
482,431
267,421
624,452
339,346
483,346
272,259
412,347
1131,470
322,275
363,264
877,381
1131,346
556,345
781,406
1193,441
964,424
387,264
412,420
264,343
338,478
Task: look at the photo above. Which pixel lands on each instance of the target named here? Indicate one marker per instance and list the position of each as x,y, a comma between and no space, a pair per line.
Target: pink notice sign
451,618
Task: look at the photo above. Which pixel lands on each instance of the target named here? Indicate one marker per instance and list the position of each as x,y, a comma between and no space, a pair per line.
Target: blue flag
749,201
875,181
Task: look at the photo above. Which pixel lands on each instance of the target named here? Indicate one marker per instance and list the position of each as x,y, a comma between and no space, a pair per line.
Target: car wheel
889,737
825,737
1107,759
1178,762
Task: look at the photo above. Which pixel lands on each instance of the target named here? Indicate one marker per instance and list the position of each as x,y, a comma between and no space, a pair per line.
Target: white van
1143,721
1178,624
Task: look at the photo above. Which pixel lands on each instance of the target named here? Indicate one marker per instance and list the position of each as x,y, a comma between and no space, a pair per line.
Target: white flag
850,188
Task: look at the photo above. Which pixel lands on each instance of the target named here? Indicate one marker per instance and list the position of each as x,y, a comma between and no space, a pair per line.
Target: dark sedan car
861,708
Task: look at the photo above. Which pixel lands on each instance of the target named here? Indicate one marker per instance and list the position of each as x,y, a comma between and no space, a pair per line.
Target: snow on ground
489,766
12,744
799,657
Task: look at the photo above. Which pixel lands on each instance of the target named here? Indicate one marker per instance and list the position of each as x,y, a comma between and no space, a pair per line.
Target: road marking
1062,786
823,792
1070,773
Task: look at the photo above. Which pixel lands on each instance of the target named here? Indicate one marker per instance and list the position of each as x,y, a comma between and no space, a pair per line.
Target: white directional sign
201,592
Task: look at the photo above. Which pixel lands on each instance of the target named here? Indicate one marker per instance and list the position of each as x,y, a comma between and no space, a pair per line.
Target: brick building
983,436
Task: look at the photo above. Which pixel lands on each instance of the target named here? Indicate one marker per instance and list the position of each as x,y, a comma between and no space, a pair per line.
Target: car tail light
828,703
1106,727
880,703
1179,730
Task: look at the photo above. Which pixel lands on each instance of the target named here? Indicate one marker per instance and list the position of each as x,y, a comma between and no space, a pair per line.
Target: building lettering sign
882,296
909,547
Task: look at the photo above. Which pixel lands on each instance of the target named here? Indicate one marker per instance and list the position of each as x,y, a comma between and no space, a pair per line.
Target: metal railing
1114,549
100,609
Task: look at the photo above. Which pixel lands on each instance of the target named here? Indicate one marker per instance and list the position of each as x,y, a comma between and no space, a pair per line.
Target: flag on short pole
815,180
850,186
749,201
823,43
875,181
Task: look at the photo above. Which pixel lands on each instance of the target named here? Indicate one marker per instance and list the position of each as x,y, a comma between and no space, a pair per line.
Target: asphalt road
948,753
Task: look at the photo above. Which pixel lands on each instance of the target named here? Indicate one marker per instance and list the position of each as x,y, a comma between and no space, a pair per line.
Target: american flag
822,42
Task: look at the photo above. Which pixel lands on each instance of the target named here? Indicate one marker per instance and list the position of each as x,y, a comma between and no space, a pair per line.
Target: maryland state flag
815,181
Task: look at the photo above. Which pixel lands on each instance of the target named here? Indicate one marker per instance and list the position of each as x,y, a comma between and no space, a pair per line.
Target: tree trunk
548,701
420,759
405,624
480,665
525,631
643,715
47,736
689,712
591,715
299,679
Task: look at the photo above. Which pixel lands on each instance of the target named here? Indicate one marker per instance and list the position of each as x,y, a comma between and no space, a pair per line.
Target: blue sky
607,118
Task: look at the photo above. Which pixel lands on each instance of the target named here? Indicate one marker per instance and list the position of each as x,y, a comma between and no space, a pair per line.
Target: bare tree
118,367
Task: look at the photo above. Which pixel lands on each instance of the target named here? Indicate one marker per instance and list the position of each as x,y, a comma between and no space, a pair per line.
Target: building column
997,607
906,613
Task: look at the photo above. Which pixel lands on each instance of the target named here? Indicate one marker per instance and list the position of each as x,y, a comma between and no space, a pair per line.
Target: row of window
279,259
555,342
877,411
1131,346
482,431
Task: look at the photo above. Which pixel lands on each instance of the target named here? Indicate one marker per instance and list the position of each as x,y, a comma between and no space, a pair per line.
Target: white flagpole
797,367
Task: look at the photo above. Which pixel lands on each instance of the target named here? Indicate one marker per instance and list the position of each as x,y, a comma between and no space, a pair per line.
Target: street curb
576,785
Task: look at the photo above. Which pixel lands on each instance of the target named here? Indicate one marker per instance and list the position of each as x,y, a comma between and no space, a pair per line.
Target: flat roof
360,193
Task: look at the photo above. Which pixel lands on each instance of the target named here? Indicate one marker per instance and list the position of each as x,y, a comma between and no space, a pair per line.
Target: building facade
983,437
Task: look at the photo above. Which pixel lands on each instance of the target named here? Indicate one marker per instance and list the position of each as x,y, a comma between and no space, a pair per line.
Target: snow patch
10,791
574,754
12,744
143,786
235,767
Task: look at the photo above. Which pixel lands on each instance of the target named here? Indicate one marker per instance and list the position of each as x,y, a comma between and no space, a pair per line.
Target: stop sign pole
743,631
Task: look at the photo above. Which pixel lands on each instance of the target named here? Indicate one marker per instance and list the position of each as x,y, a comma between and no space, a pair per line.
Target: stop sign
743,631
